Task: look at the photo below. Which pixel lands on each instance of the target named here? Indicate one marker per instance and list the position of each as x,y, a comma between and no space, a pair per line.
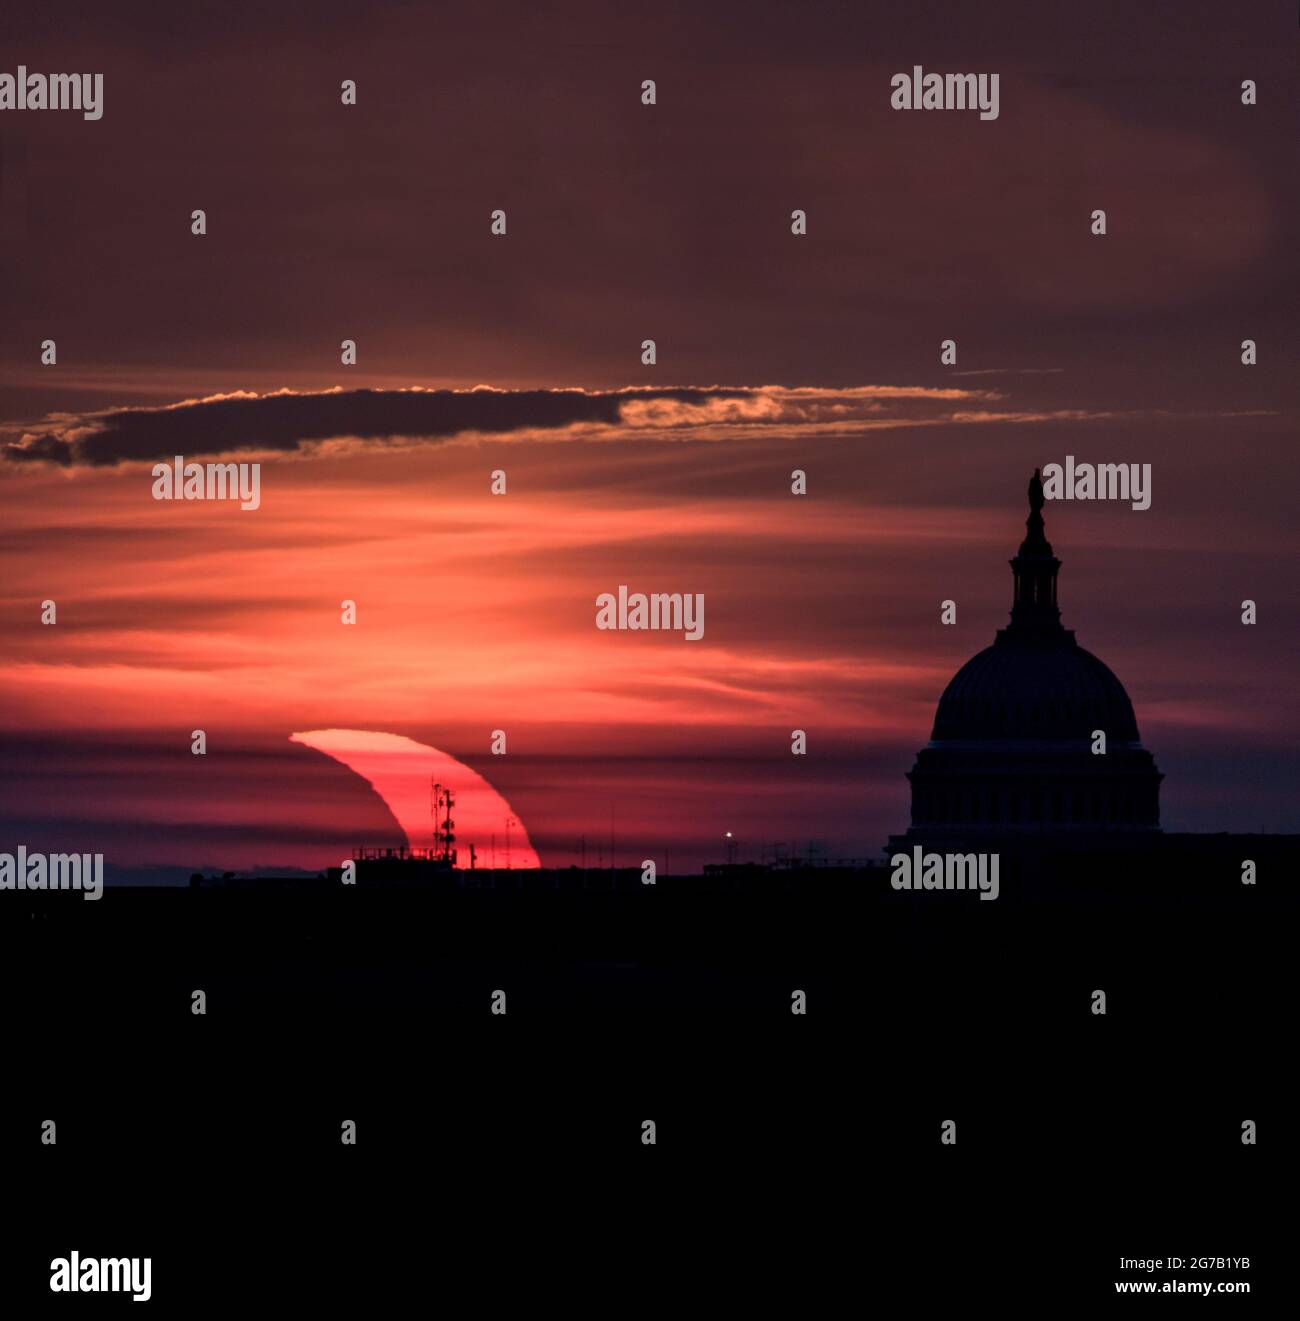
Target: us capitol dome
1011,752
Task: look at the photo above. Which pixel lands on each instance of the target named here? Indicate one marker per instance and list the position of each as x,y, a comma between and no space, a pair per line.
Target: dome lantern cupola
1033,607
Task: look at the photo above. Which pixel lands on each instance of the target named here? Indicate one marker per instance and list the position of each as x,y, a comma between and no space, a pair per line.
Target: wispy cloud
288,421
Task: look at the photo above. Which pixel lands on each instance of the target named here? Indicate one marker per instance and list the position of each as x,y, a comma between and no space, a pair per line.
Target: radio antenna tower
441,801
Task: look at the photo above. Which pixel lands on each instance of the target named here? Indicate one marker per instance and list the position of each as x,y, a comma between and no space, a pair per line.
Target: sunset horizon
488,618
486,625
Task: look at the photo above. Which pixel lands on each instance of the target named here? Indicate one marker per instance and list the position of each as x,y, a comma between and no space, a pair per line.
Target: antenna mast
441,801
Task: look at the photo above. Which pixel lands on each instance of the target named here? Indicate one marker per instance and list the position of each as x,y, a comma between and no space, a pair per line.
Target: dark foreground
212,1142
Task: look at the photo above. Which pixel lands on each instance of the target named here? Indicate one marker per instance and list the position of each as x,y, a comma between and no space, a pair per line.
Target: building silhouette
1011,755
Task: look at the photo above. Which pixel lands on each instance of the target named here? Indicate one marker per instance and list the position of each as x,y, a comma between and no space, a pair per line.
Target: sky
521,353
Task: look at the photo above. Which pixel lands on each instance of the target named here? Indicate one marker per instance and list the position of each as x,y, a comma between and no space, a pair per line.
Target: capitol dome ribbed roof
1014,691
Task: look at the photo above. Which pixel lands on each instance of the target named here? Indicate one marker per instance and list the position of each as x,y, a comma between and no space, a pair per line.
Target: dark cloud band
286,422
